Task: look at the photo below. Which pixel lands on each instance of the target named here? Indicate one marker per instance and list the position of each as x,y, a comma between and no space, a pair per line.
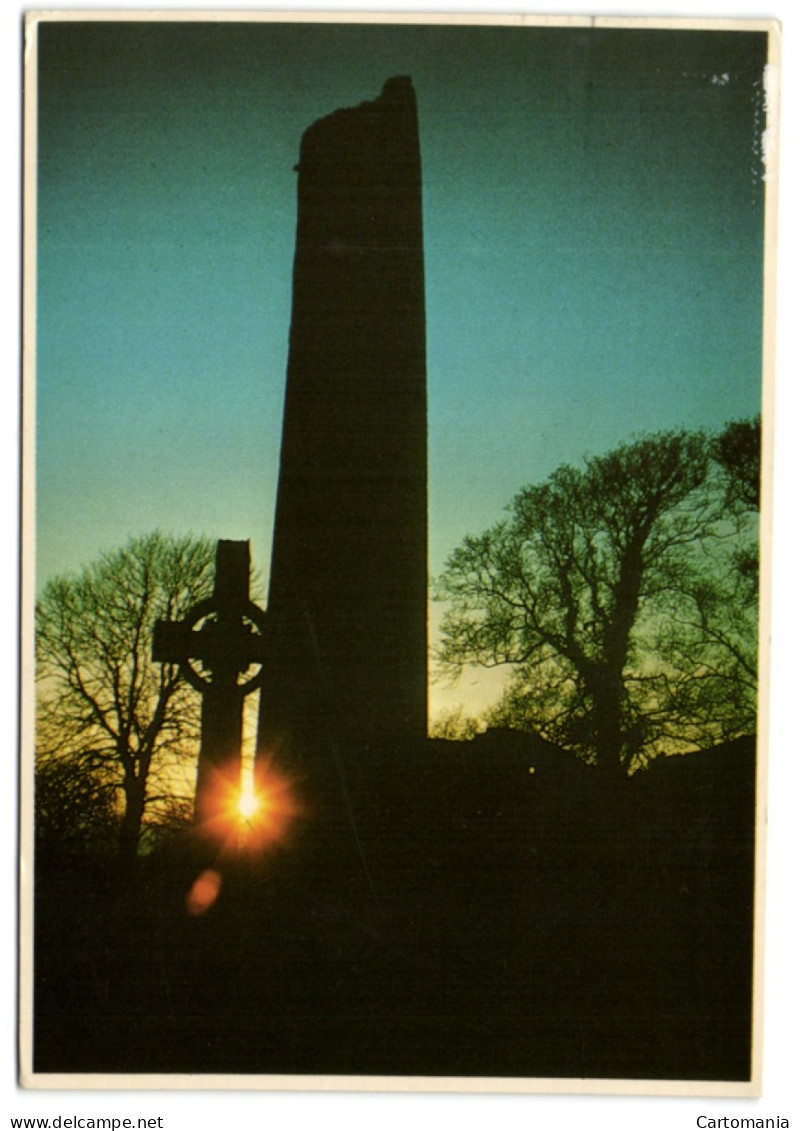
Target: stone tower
347,608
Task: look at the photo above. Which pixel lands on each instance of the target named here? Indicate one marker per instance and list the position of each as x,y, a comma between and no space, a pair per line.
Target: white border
783,1048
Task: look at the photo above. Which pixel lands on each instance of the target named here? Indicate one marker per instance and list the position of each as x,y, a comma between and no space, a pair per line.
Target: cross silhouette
215,645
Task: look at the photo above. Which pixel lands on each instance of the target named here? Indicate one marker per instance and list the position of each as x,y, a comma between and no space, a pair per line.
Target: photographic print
397,433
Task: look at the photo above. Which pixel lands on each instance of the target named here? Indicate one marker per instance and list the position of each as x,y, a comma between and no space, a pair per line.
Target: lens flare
204,892
249,812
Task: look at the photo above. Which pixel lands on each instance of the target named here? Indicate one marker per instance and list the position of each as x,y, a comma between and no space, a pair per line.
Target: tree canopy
616,594
113,729
737,450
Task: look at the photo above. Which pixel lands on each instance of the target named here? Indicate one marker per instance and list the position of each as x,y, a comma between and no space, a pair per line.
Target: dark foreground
485,921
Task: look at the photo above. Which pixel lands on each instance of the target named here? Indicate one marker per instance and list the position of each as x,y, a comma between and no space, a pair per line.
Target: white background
240,1111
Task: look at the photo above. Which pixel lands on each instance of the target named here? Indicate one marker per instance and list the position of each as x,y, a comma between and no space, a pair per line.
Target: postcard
397,503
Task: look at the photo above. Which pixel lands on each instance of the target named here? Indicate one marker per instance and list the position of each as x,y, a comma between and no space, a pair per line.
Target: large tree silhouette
610,590
113,729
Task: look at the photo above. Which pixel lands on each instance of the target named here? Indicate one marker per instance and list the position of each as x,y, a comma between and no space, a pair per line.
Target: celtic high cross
220,649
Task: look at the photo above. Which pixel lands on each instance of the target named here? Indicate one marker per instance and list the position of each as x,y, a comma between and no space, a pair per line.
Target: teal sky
593,240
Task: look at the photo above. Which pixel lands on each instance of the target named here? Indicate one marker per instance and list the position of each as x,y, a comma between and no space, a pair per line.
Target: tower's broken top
387,118
397,89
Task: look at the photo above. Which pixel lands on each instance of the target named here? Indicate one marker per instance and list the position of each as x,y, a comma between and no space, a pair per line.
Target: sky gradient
593,214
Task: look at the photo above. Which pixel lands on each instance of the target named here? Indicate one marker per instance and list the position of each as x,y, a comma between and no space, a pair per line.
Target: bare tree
737,450
115,731
574,591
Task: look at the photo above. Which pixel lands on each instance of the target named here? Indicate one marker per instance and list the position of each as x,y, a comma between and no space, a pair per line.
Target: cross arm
238,646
